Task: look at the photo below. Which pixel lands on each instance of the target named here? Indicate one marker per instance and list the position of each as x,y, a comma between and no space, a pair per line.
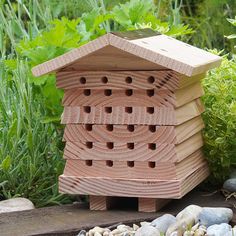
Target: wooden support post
98,203
151,204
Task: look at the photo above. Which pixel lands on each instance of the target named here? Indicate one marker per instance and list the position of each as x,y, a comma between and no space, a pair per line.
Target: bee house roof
133,50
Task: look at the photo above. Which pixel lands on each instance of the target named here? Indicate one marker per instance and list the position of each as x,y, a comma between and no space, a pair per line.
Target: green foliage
30,153
220,118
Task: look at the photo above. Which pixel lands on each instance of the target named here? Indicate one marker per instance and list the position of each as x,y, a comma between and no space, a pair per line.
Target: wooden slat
98,203
136,133
132,98
145,188
159,80
135,170
158,152
132,115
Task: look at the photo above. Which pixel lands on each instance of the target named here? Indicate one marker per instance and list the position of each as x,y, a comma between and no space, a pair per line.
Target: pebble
218,230
162,223
147,230
230,185
215,215
232,232
16,204
192,211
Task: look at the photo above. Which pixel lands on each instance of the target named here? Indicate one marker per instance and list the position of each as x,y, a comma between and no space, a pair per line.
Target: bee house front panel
132,115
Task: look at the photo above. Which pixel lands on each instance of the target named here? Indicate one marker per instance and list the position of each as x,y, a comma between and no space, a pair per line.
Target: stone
16,204
82,233
162,223
147,230
190,211
215,215
230,185
218,230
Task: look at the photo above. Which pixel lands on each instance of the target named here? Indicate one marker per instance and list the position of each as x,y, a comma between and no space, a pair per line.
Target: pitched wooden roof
135,50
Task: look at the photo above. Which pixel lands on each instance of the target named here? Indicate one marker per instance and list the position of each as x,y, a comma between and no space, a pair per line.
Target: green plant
220,118
30,153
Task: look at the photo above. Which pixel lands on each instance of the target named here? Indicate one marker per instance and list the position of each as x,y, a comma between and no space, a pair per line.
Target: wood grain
134,133
135,170
98,203
158,152
145,188
132,115
120,80
151,204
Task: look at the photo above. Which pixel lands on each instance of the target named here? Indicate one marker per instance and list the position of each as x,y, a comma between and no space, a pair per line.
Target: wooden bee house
132,112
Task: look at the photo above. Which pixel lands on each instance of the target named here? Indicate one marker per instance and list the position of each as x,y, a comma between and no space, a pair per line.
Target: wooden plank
136,133
145,188
151,204
135,170
110,52
132,115
157,152
120,80
98,203
132,98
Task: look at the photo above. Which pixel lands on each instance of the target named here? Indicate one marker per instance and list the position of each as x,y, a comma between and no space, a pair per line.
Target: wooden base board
146,188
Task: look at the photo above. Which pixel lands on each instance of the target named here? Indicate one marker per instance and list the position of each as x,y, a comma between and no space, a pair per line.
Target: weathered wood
111,52
136,133
144,188
121,80
132,115
135,170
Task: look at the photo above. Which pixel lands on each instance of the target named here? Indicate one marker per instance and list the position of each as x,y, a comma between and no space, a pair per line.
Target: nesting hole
150,92
151,79
87,92
89,162
82,80
152,128
130,163
88,127
152,146
104,80
129,92
107,92
110,145
152,164
130,128
130,145
129,110
109,163
87,109
109,127
150,110
89,145
108,109
128,80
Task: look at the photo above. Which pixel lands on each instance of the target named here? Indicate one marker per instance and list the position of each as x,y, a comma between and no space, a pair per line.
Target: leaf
6,163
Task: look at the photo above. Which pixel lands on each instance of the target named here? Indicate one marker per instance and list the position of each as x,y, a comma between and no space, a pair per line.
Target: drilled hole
88,127
104,80
130,145
109,163
152,146
108,109
130,163
150,110
87,92
129,92
87,109
109,127
128,80
152,128
108,92
129,110
89,162
82,80
130,128
151,79
110,145
150,92
89,145
152,164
